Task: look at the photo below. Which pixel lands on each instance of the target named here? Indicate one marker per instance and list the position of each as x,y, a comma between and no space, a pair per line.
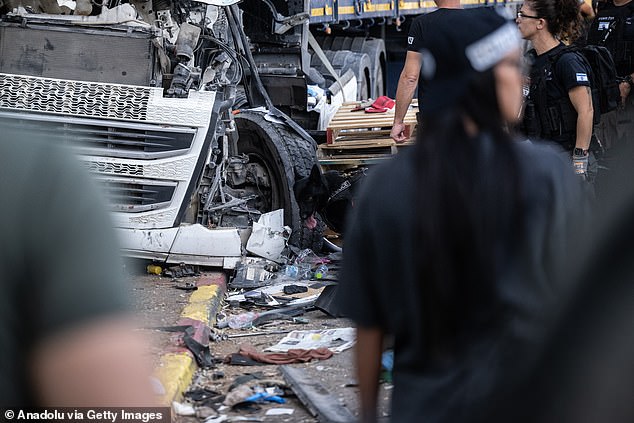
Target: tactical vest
614,29
551,119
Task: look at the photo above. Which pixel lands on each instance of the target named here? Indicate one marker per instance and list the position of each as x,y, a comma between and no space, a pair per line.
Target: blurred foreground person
585,373
64,337
453,244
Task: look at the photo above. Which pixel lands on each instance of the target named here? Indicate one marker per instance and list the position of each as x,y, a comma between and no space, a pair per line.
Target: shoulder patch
582,77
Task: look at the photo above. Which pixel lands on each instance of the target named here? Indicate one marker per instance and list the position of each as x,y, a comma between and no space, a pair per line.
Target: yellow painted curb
176,370
175,373
200,303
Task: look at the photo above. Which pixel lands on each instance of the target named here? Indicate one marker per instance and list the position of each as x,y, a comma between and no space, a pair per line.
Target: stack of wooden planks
358,138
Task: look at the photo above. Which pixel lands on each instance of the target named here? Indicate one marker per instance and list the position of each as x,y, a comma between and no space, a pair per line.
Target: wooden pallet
359,138
347,125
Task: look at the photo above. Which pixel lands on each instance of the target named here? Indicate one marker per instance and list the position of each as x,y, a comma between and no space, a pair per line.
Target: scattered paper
336,340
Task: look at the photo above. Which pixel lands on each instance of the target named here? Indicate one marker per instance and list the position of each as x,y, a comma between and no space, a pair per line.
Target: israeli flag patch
410,40
582,77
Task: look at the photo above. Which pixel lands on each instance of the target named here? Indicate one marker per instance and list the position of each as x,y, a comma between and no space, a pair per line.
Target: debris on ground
326,302
237,395
267,299
183,409
335,340
181,271
387,365
248,353
194,335
186,286
294,289
252,272
269,236
251,319
154,269
316,397
274,295
279,411
249,334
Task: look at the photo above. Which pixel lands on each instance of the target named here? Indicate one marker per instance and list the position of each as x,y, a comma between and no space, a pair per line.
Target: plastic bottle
304,271
291,270
303,255
321,271
154,269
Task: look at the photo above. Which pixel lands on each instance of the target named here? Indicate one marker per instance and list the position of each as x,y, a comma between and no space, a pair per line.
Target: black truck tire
375,49
286,157
341,61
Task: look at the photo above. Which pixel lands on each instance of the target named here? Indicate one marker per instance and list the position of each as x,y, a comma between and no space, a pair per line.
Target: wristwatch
579,152
628,79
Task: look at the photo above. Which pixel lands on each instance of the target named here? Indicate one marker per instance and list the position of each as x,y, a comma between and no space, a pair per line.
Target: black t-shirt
419,30
380,288
560,76
613,28
58,254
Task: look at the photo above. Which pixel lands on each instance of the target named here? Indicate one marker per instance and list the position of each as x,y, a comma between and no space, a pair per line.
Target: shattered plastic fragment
183,409
279,411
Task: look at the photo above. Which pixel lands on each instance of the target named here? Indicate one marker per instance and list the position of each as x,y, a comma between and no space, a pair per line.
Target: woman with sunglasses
559,103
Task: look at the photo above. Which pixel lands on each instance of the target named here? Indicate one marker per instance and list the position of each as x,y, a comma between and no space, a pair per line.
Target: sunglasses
522,15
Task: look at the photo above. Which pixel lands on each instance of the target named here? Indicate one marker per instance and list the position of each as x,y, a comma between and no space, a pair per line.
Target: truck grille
136,197
114,168
108,101
127,142
143,105
141,141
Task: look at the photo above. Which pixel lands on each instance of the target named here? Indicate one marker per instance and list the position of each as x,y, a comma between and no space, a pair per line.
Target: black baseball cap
468,43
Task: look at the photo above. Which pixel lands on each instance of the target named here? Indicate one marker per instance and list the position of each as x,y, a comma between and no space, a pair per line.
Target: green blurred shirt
59,260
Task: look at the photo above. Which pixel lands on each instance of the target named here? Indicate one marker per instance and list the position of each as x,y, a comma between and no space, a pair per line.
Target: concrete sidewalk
177,364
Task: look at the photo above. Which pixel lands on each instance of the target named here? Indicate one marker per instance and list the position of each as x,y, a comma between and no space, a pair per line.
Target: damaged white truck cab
144,92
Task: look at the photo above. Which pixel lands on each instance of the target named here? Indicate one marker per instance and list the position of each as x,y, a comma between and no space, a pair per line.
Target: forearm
407,84
625,87
404,94
581,99
584,129
368,356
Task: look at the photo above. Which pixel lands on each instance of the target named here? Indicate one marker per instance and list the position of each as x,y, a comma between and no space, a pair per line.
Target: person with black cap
559,104
453,245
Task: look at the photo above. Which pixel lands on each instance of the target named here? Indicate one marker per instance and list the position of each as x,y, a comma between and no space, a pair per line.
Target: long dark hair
469,207
563,17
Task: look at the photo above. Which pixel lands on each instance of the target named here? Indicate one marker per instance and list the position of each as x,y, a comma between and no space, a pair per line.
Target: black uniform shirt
570,71
418,32
566,73
614,28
